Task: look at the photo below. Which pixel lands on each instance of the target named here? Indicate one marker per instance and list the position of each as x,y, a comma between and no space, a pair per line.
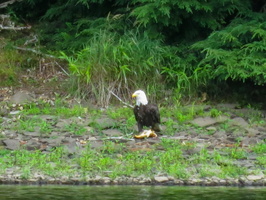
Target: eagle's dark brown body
147,115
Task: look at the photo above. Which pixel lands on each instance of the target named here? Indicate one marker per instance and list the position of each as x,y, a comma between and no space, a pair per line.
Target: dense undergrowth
188,48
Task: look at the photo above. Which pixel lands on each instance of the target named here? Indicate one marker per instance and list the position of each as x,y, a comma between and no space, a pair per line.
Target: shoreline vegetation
62,64
56,142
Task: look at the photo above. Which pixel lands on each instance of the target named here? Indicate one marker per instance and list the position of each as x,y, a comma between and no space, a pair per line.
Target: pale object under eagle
146,134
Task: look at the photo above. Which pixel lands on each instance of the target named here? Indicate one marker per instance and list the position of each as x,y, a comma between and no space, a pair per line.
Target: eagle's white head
140,97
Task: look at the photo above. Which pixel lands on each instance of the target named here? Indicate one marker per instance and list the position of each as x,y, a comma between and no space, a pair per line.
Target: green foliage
119,64
57,108
75,128
10,63
236,52
259,148
187,18
187,46
261,160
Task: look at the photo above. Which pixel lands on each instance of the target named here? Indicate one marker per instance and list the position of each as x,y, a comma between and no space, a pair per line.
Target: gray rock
220,134
239,121
252,132
72,147
96,144
68,140
33,144
21,97
12,144
250,141
54,142
112,132
203,121
211,128
208,121
161,179
255,177
105,123
32,134
62,123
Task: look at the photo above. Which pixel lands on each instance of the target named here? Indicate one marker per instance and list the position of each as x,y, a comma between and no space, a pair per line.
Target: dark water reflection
130,193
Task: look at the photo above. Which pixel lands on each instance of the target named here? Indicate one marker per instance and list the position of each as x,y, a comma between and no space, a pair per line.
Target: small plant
26,172
215,113
236,153
120,113
45,128
75,129
232,171
208,170
261,160
259,148
171,127
178,170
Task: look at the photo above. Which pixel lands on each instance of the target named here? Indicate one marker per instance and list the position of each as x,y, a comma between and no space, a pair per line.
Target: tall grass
118,64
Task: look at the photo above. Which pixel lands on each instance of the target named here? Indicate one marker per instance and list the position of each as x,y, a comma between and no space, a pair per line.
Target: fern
237,52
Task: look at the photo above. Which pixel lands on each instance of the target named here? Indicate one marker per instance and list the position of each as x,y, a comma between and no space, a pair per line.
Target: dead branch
62,68
5,4
13,27
43,54
34,51
7,24
121,100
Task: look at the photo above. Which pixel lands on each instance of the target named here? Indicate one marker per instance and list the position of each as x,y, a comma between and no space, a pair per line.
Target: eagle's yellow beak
134,95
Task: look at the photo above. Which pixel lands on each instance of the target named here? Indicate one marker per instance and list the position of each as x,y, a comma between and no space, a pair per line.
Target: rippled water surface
130,192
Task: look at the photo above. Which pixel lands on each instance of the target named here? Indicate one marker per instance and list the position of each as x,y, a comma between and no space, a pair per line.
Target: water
130,193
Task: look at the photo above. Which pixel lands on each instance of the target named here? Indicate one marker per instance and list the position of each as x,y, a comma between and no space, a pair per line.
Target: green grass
114,160
259,148
44,108
75,129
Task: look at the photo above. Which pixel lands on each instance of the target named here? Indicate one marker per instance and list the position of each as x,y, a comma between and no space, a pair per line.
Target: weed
215,113
120,113
178,170
45,128
26,172
58,108
236,153
110,147
261,160
259,148
105,163
208,170
75,129
171,127
232,171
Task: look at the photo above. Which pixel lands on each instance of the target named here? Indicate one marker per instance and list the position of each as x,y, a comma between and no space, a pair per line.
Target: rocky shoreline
227,130
38,179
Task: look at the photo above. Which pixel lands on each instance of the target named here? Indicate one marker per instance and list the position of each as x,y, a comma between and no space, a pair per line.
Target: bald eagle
146,114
